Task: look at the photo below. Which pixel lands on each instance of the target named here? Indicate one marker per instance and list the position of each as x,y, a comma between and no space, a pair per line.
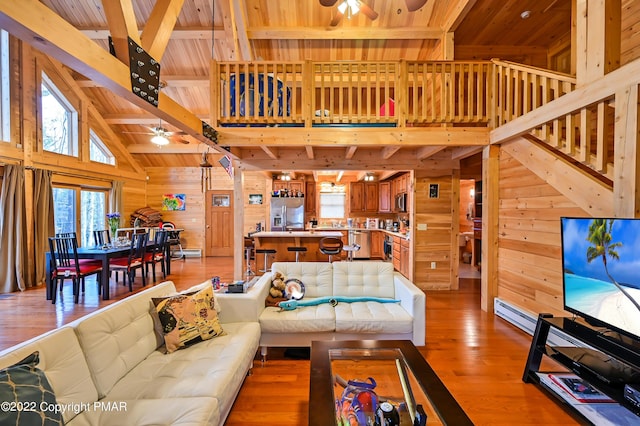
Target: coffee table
403,378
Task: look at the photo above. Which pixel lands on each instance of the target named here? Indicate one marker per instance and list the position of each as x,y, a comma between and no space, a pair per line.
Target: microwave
401,203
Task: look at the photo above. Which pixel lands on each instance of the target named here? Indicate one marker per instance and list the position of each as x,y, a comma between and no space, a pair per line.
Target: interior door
219,226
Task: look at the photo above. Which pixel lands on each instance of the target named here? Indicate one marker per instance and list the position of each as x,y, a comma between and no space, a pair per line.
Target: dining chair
156,254
330,246
101,237
65,265
134,261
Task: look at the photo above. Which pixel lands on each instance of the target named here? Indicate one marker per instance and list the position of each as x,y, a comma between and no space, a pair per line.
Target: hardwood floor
478,356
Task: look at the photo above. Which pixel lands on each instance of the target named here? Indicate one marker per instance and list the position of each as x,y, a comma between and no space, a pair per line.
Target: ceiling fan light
160,140
342,7
353,4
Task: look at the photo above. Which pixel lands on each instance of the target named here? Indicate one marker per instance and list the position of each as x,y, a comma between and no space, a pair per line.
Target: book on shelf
575,387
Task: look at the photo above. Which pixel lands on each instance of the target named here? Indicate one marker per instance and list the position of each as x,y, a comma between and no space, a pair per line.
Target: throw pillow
27,396
188,318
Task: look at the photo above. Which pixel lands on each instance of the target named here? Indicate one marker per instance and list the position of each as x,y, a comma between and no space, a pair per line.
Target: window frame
95,140
5,87
72,114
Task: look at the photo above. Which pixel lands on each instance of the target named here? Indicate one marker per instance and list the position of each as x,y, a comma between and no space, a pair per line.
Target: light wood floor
478,356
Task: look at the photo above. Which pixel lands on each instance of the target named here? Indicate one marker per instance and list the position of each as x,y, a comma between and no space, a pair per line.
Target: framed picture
255,198
174,202
434,190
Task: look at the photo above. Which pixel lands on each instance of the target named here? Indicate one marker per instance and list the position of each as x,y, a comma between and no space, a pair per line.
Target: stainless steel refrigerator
287,214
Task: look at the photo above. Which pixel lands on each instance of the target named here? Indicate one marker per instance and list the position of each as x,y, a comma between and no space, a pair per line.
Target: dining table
102,253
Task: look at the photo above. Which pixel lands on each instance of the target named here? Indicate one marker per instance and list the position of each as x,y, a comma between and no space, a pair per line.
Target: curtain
13,230
44,222
115,201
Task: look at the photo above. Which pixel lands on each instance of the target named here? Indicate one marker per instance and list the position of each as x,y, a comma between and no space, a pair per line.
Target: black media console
608,361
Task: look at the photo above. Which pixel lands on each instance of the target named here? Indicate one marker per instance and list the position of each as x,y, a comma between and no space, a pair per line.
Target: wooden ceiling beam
141,119
121,20
172,148
350,151
460,153
157,32
387,152
309,150
294,33
428,151
170,80
239,23
457,14
269,152
36,24
343,137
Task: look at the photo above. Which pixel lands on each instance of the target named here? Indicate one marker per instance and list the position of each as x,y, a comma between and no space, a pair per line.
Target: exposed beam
428,151
339,33
171,80
121,20
342,137
309,150
173,148
294,33
141,119
36,24
457,15
464,152
387,152
269,152
157,32
239,22
350,151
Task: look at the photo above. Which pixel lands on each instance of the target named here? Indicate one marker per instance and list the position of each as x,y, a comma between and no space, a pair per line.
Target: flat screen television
601,272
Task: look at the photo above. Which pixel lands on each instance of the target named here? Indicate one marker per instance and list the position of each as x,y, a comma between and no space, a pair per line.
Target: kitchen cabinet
396,253
384,197
377,244
310,199
363,197
404,257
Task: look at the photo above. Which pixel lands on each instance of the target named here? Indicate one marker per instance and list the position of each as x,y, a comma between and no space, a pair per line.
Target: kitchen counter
282,240
344,228
297,234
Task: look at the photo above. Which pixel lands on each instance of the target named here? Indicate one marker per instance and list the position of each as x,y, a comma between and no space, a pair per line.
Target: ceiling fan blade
182,141
328,3
336,19
413,5
372,14
138,133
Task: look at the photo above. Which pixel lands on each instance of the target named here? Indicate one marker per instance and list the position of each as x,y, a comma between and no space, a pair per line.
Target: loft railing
351,93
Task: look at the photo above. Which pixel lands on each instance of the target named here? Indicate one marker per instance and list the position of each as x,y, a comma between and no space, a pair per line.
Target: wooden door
219,226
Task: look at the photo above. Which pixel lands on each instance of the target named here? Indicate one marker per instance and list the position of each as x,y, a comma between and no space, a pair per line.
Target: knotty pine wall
435,243
186,180
529,251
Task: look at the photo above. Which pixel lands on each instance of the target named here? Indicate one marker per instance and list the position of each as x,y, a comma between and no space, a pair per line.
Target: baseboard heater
192,252
526,321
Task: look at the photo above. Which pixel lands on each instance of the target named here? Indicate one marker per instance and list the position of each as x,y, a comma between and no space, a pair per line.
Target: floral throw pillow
188,318
27,396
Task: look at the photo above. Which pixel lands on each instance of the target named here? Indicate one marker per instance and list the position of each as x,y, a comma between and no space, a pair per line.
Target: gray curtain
116,198
13,230
44,222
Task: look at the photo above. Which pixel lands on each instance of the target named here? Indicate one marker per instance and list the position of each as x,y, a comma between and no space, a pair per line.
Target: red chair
65,265
134,261
157,254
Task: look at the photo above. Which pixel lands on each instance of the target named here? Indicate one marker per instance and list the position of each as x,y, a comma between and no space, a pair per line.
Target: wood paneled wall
466,224
256,183
435,243
630,39
529,249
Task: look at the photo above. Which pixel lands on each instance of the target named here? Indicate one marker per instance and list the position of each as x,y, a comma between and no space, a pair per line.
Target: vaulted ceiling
288,30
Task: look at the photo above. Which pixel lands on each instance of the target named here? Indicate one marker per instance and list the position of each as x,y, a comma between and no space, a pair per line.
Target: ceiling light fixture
285,176
160,140
526,14
349,6
369,177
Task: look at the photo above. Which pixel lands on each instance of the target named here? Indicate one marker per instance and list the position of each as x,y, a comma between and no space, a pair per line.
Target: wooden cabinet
377,245
404,257
363,197
310,199
396,253
384,197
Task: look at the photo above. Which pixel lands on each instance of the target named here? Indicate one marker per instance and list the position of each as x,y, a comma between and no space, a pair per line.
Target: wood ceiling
288,30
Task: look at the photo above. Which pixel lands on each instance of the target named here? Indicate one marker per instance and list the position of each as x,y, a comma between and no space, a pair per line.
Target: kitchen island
281,240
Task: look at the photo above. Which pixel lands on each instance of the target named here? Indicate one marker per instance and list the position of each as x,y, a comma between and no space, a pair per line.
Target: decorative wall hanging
144,70
225,162
174,202
205,172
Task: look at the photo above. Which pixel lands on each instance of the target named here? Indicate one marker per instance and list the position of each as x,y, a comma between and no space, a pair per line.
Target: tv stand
607,362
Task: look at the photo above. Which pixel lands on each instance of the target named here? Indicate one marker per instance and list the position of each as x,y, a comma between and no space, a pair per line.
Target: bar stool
350,249
297,250
330,246
266,253
249,246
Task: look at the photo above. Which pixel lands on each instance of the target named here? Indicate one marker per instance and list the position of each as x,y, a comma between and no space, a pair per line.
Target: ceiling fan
351,7
161,136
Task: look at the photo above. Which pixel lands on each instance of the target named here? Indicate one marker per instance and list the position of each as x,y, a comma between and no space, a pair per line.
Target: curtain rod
59,173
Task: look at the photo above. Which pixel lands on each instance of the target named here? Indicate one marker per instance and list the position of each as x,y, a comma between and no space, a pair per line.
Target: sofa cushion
188,318
63,363
317,277
373,279
118,337
26,386
308,319
151,412
213,368
372,317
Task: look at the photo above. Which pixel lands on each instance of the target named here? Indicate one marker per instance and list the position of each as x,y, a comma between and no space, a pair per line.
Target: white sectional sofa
106,369
346,321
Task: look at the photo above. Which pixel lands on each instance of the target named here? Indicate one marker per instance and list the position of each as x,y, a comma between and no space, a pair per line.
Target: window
59,120
5,115
89,205
98,151
332,205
